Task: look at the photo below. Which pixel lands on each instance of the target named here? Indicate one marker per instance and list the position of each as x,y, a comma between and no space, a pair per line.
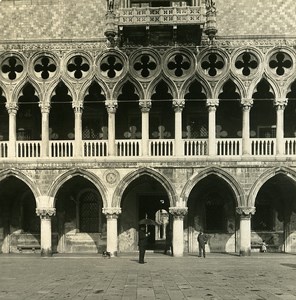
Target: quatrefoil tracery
145,65
12,68
213,63
179,64
247,63
45,67
281,63
111,66
78,66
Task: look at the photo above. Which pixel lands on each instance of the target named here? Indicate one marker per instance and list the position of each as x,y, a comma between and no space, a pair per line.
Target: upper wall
27,20
256,17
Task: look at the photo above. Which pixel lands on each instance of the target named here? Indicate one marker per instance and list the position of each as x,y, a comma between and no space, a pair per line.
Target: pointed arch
51,89
263,178
61,179
234,185
254,85
205,89
240,89
124,183
18,90
87,84
170,84
24,178
120,84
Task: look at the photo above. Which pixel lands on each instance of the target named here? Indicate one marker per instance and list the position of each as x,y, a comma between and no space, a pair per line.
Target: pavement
219,276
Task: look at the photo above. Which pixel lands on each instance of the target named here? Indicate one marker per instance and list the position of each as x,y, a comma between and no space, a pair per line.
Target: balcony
157,148
187,15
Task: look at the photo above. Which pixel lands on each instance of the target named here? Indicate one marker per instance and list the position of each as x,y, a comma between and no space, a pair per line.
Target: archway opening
144,198
79,225
274,221
18,220
211,209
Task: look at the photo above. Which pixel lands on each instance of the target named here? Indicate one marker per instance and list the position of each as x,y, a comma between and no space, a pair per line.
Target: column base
46,252
245,252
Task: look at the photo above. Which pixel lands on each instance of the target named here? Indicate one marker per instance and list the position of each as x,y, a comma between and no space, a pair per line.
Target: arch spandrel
129,178
234,185
264,178
33,186
60,180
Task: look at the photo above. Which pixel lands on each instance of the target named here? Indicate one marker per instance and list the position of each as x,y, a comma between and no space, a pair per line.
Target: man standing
201,239
143,240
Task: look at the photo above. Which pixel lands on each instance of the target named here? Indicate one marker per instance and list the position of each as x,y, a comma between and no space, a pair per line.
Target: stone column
246,145
245,229
212,106
12,111
178,230
280,105
112,235
45,108
45,217
178,105
78,130
145,108
111,108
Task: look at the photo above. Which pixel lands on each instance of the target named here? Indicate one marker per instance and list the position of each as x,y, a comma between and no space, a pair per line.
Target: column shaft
78,131
145,132
212,131
280,146
178,133
112,239
246,131
45,134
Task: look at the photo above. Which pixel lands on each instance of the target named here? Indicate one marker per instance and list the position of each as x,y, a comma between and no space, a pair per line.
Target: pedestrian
202,240
169,242
263,246
143,241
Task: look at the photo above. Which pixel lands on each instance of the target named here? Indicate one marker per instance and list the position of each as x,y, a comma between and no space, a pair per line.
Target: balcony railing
225,147
161,15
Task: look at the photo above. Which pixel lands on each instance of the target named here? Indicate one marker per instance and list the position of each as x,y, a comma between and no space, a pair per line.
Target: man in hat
143,241
201,239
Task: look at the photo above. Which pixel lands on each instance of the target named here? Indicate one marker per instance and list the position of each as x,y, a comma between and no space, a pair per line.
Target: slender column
12,111
178,106
145,108
78,130
178,229
212,106
111,108
246,146
45,217
45,108
280,107
112,238
245,229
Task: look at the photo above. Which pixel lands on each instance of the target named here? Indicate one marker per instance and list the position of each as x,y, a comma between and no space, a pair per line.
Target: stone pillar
178,229
112,235
245,229
145,108
280,107
12,111
78,130
111,108
246,145
178,106
45,108
45,217
212,106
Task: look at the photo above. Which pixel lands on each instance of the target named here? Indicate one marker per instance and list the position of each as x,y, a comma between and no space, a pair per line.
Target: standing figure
169,242
263,247
201,239
143,241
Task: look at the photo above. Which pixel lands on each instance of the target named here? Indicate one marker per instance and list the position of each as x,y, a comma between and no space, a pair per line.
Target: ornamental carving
111,176
280,63
78,67
245,210
45,67
246,64
178,212
45,213
111,212
12,68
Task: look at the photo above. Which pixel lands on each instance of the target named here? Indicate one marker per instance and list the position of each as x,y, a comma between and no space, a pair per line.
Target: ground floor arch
79,224
274,221
145,197
211,209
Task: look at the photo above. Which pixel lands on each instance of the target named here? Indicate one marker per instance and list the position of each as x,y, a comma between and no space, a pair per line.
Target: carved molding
178,212
45,212
246,210
112,212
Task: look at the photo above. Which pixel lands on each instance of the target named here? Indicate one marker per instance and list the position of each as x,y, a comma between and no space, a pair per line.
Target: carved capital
247,103
281,103
112,212
45,212
178,212
77,106
145,105
45,107
111,106
11,107
178,104
245,210
212,104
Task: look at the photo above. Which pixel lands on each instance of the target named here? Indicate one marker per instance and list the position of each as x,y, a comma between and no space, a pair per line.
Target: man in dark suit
201,239
143,241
